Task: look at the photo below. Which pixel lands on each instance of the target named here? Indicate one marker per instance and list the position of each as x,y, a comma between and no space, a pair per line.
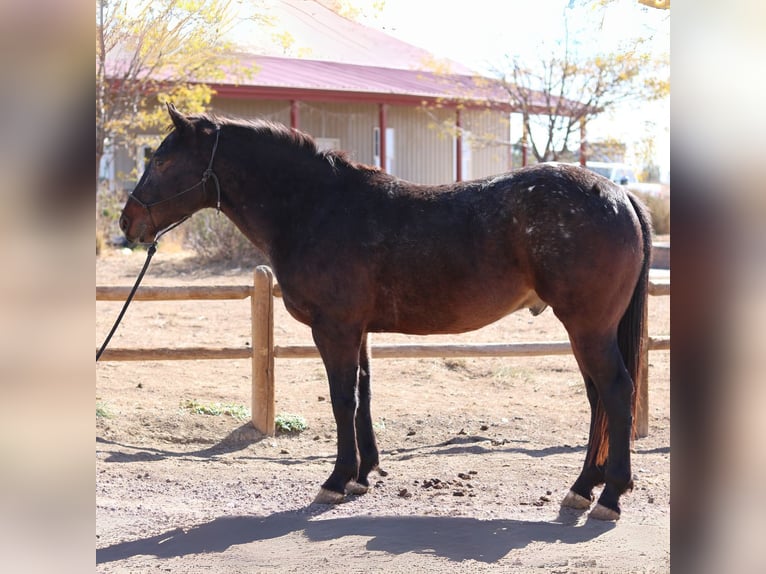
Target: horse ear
182,124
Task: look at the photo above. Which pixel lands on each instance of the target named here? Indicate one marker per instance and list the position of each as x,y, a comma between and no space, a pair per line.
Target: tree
152,51
565,87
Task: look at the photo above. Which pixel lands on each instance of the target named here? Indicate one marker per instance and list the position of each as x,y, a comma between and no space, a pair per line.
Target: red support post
583,158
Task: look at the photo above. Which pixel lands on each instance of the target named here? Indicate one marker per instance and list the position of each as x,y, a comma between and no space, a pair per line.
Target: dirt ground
478,452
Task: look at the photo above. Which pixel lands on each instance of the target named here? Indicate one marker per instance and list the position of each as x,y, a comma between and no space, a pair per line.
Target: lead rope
149,254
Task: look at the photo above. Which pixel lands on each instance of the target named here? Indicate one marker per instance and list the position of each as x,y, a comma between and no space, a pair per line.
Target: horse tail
630,332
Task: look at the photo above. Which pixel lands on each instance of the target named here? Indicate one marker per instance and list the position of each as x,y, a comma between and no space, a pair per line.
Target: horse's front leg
339,349
365,435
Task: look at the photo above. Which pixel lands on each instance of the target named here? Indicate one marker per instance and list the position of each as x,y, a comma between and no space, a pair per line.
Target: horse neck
263,182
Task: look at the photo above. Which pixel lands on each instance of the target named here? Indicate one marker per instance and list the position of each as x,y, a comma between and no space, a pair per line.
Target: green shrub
238,412
290,423
103,411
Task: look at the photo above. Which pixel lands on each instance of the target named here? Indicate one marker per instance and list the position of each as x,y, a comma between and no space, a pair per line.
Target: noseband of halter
206,175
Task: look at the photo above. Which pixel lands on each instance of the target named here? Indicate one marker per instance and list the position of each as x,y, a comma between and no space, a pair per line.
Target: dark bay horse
356,250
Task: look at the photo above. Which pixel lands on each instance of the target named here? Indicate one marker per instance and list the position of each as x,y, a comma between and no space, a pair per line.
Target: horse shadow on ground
454,538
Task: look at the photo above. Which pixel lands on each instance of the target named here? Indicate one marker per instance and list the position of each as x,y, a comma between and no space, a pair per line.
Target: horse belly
444,314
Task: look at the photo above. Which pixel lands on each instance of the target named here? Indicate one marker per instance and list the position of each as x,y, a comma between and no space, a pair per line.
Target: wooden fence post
262,310
642,416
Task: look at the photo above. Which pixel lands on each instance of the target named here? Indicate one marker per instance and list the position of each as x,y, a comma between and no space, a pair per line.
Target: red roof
320,80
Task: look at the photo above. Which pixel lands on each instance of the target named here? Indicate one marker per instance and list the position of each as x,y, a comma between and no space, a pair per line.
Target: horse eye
158,161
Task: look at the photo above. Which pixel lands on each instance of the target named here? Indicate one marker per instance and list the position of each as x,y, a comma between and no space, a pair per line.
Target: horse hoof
328,497
600,512
353,487
574,500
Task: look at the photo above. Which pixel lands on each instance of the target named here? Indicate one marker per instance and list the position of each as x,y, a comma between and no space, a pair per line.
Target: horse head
175,183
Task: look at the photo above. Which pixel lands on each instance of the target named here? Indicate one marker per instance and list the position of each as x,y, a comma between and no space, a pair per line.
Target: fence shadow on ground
242,437
454,538
237,440
476,444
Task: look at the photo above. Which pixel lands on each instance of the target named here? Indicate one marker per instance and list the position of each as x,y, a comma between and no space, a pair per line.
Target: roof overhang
230,91
321,81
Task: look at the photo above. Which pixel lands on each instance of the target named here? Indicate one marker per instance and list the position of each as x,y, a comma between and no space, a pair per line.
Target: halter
206,175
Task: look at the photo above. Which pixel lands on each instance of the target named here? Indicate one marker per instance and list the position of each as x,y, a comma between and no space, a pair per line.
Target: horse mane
287,136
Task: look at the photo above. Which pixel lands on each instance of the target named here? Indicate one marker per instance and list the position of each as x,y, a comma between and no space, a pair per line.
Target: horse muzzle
136,230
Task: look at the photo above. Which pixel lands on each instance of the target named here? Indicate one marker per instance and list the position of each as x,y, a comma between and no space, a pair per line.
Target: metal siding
352,124
423,140
489,141
272,110
423,151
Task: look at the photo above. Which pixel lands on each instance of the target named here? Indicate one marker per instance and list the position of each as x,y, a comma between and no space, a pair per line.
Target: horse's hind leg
365,435
580,496
601,362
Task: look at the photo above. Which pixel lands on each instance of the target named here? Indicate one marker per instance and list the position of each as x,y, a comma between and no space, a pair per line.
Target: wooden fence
263,350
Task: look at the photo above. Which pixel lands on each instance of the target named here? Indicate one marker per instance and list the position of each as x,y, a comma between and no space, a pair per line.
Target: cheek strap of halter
208,173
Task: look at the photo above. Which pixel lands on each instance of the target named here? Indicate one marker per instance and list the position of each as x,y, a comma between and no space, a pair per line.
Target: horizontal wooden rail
659,288
177,354
189,292
218,292
403,351
435,351
407,351
178,293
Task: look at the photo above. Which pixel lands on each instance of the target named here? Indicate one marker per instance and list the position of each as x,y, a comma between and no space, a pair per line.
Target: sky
481,33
